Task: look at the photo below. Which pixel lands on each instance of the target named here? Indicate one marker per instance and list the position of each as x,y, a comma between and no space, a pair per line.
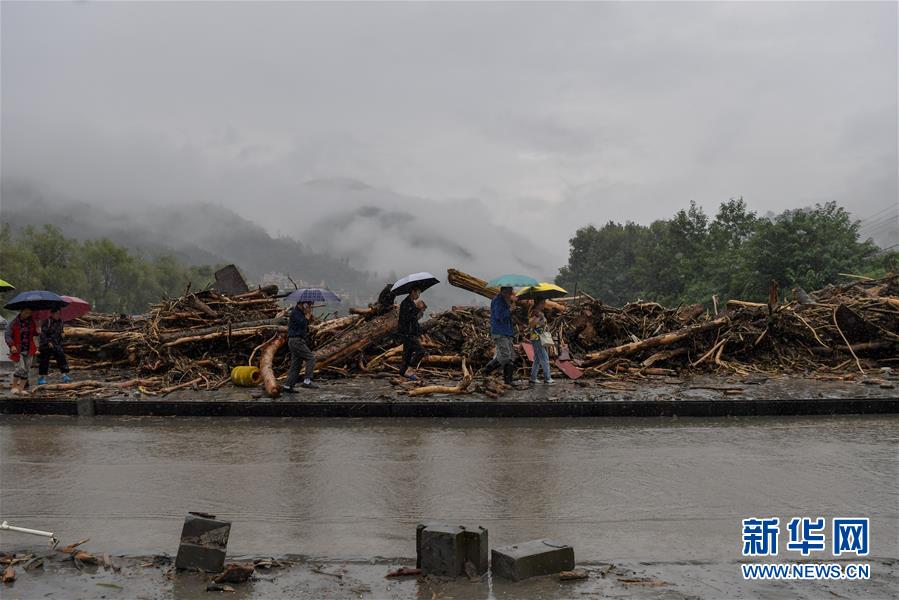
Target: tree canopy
689,257
105,274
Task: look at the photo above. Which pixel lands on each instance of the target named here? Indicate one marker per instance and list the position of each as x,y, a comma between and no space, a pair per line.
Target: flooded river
628,490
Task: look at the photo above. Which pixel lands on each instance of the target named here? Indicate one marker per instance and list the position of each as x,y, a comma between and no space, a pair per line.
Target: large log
460,388
266,358
100,335
595,358
343,347
430,360
169,336
479,286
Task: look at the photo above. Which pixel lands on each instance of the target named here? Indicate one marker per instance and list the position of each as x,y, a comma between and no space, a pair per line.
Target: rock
531,559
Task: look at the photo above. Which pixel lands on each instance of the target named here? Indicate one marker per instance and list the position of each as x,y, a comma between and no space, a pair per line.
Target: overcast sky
553,116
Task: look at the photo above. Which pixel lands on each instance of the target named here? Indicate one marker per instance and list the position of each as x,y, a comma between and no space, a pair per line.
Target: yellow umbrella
5,287
542,290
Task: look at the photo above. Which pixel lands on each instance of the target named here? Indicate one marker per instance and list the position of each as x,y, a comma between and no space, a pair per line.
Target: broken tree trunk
63,387
431,359
343,347
219,330
269,382
478,286
461,388
100,335
594,358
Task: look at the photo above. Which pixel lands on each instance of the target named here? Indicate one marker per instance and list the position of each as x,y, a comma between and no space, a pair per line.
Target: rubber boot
508,372
489,367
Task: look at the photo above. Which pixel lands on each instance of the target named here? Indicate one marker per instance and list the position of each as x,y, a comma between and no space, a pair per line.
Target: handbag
546,339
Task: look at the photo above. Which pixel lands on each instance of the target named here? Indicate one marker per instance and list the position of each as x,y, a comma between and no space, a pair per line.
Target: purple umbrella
313,295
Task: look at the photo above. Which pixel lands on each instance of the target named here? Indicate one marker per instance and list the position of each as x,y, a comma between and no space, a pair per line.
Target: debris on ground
573,575
404,572
194,341
235,573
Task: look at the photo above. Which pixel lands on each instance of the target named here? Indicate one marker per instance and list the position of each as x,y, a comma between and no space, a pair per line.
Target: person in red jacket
22,347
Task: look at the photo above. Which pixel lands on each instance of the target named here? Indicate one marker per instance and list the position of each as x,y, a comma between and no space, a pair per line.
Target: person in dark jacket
51,347
409,330
503,334
20,338
297,342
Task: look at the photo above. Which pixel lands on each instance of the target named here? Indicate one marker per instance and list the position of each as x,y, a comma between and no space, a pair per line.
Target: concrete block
444,549
204,541
531,559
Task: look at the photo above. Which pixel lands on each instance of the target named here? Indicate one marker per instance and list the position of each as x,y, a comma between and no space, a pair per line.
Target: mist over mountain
199,233
339,231
379,229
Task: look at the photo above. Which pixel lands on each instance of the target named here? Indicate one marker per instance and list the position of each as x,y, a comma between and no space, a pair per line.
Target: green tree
805,247
602,261
688,259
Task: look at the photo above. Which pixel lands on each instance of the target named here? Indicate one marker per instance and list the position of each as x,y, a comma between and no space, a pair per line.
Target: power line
891,205
873,224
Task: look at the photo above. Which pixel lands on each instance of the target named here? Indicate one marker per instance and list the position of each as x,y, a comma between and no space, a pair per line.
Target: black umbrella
420,281
36,300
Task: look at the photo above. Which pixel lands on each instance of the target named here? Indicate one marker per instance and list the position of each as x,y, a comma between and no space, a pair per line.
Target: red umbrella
75,308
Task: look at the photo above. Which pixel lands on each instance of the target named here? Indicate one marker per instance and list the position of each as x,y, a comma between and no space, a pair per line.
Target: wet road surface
661,492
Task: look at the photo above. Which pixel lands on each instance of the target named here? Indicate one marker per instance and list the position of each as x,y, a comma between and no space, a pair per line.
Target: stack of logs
194,340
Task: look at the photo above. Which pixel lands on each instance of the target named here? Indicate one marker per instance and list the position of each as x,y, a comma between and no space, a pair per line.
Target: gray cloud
553,116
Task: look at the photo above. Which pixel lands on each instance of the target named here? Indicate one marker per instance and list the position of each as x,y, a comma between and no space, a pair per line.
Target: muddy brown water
623,490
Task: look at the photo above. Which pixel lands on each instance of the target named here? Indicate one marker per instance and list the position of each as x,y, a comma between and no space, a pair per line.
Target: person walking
297,343
537,327
503,334
409,330
50,346
22,347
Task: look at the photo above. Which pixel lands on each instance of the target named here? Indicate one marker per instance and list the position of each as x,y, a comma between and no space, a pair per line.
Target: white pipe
49,534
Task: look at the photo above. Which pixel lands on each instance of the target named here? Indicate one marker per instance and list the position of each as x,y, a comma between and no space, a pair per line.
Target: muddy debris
9,574
404,572
573,575
193,341
235,573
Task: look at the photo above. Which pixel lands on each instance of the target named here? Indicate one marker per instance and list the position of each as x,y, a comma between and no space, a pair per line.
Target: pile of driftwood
195,340
840,329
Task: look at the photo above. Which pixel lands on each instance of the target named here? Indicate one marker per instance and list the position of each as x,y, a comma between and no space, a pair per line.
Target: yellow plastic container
246,376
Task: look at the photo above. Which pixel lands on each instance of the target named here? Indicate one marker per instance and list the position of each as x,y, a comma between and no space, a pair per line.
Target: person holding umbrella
411,310
409,330
537,334
51,347
539,337
22,347
20,335
297,343
503,334
298,334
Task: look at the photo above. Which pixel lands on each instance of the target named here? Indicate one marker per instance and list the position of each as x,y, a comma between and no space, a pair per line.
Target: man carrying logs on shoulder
503,334
409,330
297,342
